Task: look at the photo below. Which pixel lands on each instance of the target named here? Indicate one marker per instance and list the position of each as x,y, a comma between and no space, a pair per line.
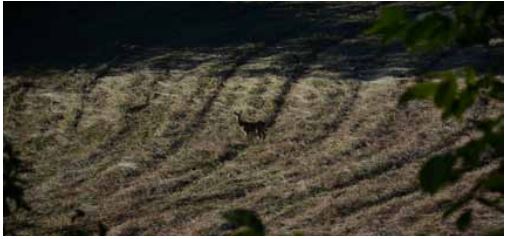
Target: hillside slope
148,145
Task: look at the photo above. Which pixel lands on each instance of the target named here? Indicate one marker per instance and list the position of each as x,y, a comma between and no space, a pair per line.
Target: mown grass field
148,145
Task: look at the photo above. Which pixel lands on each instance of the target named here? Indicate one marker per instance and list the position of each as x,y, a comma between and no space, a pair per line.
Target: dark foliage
463,24
450,24
245,223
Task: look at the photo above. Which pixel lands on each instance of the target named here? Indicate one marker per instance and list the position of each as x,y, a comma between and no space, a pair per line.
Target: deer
257,128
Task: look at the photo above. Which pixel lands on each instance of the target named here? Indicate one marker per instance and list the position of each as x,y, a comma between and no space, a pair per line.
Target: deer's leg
250,135
244,132
257,133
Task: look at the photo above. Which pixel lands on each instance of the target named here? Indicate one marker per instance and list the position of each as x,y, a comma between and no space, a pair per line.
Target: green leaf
494,183
471,152
466,100
247,222
430,31
487,125
464,220
246,231
470,76
446,91
437,172
495,139
424,90
496,90
390,25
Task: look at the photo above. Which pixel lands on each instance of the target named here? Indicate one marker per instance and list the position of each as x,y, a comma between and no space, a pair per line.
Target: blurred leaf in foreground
246,222
437,172
455,91
464,220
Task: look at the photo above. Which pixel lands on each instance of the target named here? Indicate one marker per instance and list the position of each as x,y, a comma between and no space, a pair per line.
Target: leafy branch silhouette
454,92
245,222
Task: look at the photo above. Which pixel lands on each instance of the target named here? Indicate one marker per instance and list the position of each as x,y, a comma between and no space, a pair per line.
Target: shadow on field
61,36
65,35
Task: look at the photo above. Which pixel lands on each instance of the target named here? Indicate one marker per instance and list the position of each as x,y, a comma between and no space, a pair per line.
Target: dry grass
157,152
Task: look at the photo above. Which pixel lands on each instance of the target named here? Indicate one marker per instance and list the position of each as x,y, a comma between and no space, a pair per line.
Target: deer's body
256,129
